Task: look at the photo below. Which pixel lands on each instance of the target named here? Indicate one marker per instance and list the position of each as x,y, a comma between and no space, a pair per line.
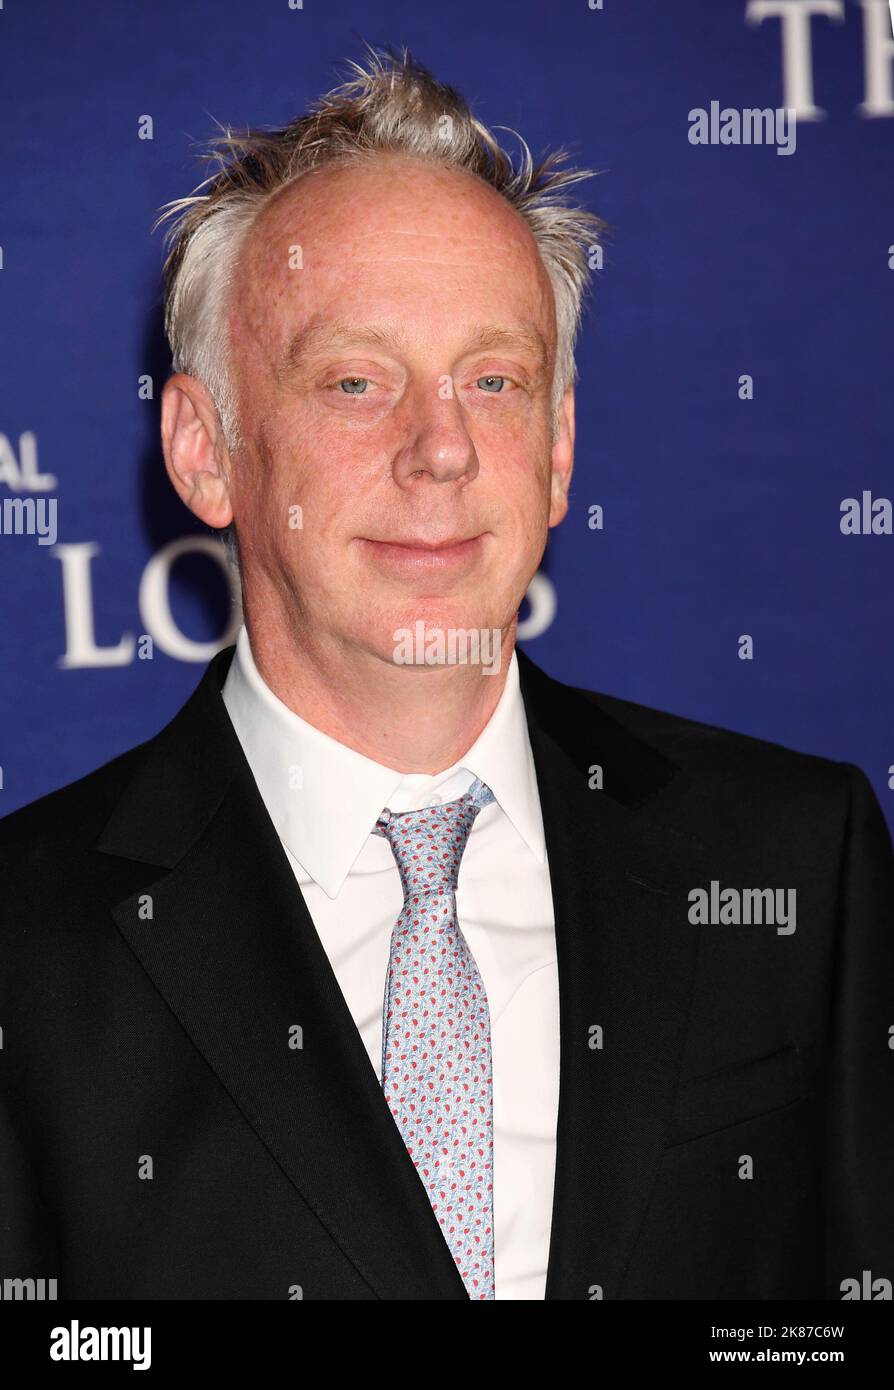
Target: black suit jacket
155,955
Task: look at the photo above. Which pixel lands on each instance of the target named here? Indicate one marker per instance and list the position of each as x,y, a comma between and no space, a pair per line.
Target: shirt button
435,800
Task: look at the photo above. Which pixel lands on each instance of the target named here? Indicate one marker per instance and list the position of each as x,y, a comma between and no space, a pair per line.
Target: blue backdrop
721,500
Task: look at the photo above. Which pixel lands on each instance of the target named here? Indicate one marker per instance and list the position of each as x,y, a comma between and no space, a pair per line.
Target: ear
196,456
562,460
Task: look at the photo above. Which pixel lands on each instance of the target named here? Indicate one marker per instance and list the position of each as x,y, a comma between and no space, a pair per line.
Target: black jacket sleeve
859,1123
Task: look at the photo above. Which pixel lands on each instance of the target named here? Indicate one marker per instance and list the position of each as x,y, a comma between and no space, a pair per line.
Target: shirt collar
324,798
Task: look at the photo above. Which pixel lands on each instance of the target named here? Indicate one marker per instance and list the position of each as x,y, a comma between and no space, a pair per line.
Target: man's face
397,388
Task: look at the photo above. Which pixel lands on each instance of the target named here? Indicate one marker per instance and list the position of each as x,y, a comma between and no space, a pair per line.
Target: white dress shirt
324,799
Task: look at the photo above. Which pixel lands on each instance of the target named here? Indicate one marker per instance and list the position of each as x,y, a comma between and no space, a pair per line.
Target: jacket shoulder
71,817
68,821
703,749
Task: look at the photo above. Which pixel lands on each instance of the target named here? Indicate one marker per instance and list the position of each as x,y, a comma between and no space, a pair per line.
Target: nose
437,441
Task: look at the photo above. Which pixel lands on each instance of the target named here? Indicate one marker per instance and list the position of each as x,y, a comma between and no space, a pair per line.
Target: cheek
521,479
270,485
336,457
521,446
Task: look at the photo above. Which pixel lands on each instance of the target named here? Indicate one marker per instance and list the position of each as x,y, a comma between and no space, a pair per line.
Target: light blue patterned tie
436,1054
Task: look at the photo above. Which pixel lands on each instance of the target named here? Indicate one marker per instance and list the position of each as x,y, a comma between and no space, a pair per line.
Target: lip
416,553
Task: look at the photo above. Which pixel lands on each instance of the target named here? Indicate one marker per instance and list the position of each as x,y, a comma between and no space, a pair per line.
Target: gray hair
393,105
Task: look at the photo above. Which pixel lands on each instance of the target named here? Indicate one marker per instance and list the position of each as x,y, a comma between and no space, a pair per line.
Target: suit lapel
233,950
626,955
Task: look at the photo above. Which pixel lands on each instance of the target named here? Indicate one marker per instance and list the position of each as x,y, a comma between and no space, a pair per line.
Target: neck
411,718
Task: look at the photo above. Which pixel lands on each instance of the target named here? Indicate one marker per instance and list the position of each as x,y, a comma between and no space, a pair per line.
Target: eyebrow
318,338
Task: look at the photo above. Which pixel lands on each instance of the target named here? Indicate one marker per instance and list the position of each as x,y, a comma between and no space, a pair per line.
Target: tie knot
428,845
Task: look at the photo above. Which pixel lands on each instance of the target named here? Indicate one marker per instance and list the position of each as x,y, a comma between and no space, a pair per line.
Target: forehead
394,235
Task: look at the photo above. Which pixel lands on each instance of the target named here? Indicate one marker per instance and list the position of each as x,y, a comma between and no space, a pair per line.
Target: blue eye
500,379
348,383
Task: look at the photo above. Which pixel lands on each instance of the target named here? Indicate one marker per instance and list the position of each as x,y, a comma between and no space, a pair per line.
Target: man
401,971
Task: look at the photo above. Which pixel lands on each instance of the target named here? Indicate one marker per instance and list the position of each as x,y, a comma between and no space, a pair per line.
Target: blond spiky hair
393,105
